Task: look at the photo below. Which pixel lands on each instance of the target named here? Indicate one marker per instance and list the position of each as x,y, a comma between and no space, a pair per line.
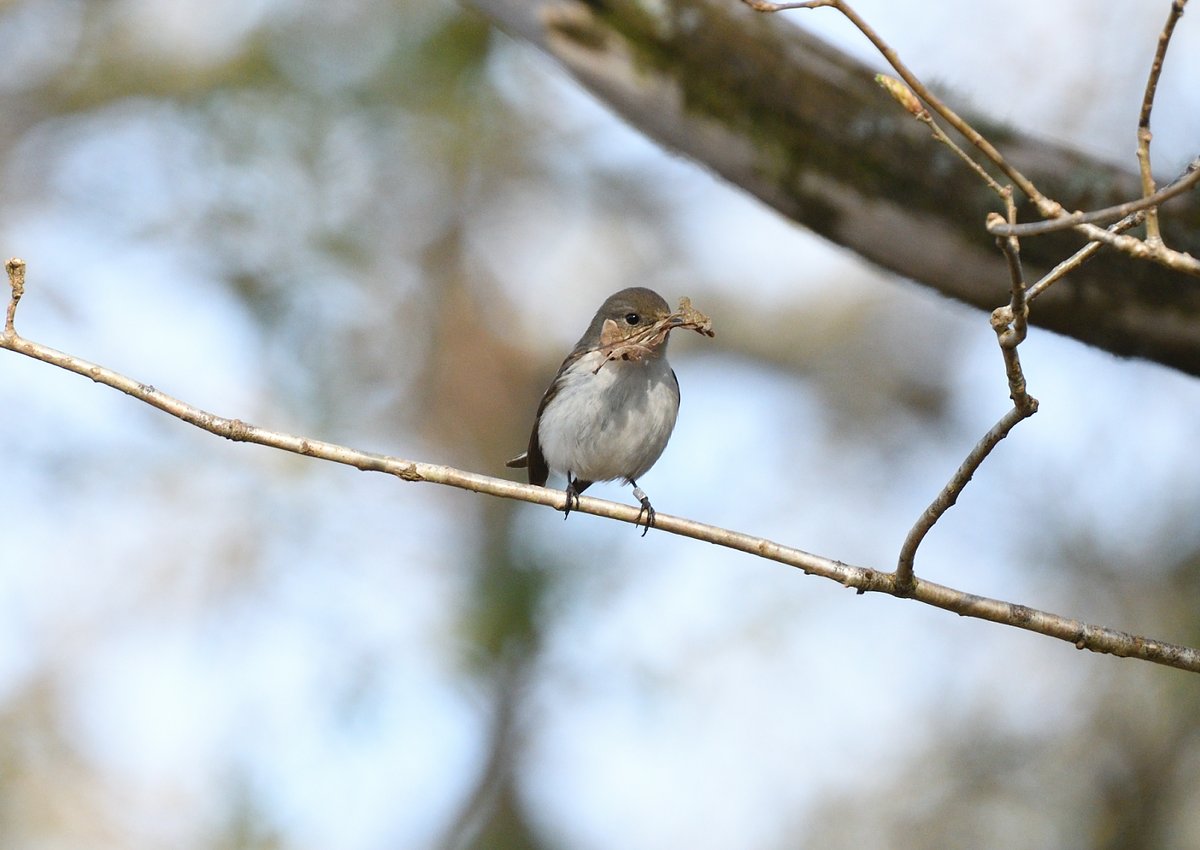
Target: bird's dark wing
538,470
533,458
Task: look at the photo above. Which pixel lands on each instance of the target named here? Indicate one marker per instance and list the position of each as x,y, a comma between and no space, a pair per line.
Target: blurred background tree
383,223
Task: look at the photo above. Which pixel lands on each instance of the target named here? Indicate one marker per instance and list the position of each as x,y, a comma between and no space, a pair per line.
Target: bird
610,410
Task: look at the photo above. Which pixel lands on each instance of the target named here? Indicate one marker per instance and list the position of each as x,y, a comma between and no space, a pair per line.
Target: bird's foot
647,510
572,497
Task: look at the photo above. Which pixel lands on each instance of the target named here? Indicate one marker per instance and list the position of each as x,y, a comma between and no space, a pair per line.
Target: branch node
904,583
408,472
238,431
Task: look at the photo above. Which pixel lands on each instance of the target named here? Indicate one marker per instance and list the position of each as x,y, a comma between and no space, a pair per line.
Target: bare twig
905,97
1046,206
16,279
1080,257
1179,261
1184,183
948,497
1049,208
1144,136
1011,325
999,227
1153,234
863,579
1160,54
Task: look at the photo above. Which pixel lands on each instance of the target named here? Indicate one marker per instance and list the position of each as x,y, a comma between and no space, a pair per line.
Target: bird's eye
632,318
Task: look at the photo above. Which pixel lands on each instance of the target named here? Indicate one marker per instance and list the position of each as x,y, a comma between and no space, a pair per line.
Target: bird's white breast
612,423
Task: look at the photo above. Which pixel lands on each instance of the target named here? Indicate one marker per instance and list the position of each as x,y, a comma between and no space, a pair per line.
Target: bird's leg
647,509
572,495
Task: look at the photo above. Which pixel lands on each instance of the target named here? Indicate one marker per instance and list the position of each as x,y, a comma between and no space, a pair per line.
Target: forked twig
1000,227
1081,256
1184,183
1010,322
1011,325
1050,209
906,581
1046,206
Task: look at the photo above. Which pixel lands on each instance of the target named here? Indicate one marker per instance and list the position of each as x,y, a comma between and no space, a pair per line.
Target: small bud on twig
901,93
16,279
16,274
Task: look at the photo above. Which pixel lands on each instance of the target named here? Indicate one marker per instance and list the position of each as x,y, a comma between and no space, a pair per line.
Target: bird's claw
647,510
572,499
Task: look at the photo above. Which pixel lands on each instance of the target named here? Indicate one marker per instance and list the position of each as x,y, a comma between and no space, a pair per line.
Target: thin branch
1153,234
1184,183
948,497
1049,208
1080,257
1046,206
1179,261
16,281
1011,325
999,227
1144,136
905,97
1160,54
863,579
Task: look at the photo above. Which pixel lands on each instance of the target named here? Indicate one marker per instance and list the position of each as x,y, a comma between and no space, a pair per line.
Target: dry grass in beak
648,339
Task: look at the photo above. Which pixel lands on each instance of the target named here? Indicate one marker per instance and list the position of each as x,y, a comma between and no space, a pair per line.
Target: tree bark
804,127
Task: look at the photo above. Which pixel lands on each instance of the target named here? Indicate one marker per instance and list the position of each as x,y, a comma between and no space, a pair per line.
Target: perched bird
611,408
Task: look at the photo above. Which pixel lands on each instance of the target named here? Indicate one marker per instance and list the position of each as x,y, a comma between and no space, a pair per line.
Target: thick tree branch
800,125
863,579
